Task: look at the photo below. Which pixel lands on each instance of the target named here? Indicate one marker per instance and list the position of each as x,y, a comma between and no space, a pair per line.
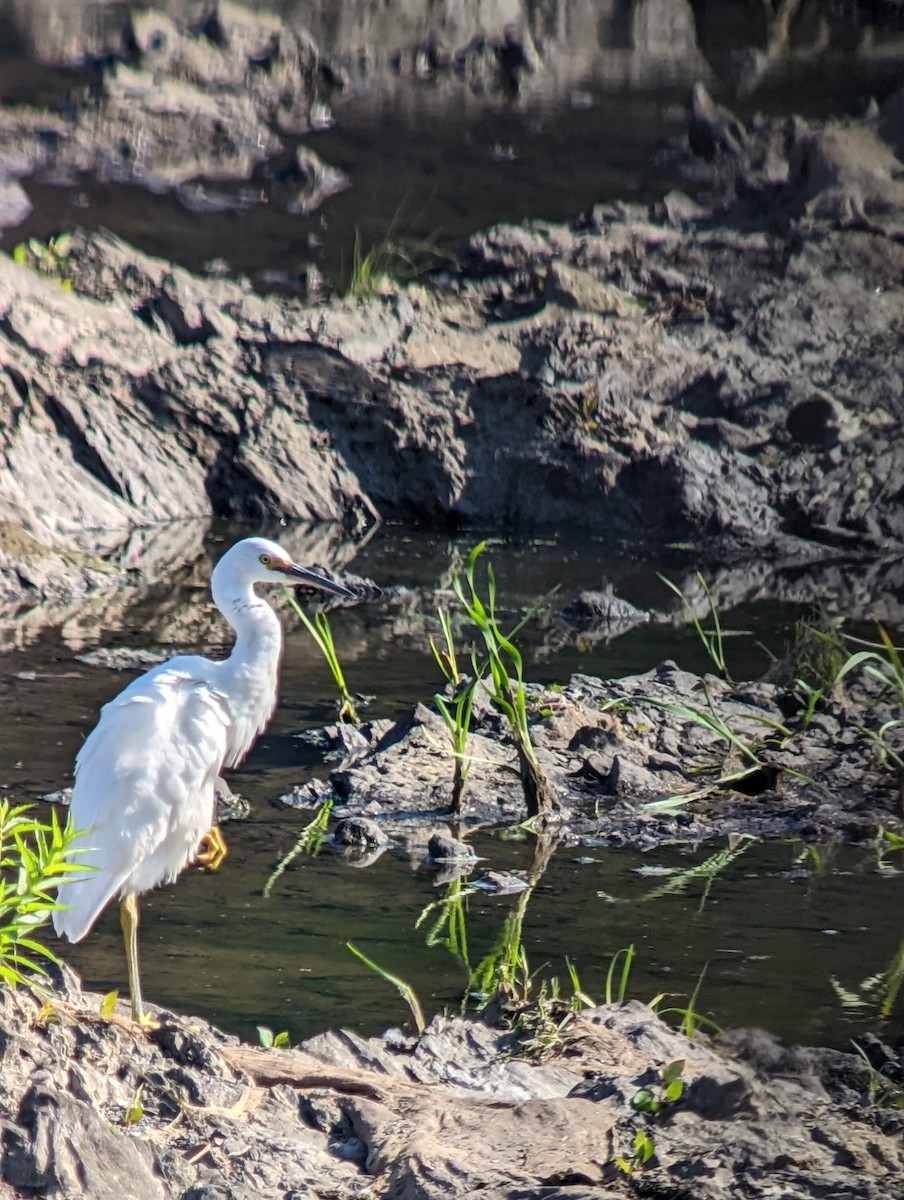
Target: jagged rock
464,1109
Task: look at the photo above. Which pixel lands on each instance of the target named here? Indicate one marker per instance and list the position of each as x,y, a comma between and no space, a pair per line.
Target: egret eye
266,560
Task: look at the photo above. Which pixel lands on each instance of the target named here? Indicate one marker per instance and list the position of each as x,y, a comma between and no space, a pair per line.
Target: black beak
313,579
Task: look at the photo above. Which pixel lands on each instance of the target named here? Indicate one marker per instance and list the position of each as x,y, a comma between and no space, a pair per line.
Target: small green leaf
672,1071
674,1091
108,1005
281,1041
643,1101
134,1111
265,1035
643,1147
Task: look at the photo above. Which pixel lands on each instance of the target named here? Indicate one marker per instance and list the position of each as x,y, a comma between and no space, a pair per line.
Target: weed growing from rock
47,258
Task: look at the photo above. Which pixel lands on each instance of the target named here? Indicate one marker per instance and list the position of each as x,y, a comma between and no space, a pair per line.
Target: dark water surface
431,162
776,927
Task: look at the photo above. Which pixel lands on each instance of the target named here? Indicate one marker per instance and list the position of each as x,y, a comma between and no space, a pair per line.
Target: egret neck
249,674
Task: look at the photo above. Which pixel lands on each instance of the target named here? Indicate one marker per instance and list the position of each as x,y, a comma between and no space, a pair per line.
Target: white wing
144,787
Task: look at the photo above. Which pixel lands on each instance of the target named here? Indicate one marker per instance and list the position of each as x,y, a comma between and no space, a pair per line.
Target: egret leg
214,850
128,919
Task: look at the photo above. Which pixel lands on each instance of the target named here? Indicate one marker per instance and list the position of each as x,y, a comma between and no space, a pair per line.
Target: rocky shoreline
721,377
464,1109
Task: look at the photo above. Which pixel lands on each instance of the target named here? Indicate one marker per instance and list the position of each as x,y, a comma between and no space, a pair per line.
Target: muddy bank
540,1106
666,756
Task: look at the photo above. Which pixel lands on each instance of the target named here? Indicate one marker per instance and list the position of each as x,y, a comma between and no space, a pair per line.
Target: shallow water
778,923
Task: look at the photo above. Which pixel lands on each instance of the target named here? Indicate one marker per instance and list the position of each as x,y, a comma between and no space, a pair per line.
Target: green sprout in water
405,990
319,629
616,995
456,710
506,693
712,639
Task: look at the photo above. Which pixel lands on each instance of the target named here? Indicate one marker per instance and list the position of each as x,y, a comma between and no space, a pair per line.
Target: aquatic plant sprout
319,629
405,990
712,639
507,694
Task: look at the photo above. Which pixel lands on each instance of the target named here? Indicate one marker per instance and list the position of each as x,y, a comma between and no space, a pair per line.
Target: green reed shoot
456,711
320,631
507,694
310,842
616,995
579,998
405,990
691,1018
33,863
882,661
712,639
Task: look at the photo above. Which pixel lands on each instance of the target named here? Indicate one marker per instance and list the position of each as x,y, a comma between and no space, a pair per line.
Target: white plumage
144,779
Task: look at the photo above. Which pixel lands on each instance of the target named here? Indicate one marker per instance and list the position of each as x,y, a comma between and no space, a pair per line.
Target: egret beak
313,579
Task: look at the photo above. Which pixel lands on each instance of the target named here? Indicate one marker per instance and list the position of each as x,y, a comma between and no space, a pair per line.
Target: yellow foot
145,1021
214,850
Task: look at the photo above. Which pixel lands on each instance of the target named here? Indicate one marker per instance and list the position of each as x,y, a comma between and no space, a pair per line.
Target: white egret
145,777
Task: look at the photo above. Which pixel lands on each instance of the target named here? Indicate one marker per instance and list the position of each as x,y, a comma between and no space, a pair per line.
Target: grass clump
33,862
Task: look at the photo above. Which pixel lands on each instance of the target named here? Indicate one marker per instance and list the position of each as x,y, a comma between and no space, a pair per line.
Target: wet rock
319,182
359,831
444,848
14,202
659,741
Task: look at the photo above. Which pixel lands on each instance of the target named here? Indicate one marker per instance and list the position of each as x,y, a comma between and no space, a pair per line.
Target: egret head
258,560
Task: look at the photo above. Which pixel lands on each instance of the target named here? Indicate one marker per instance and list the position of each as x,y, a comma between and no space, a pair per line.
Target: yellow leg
211,857
128,919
